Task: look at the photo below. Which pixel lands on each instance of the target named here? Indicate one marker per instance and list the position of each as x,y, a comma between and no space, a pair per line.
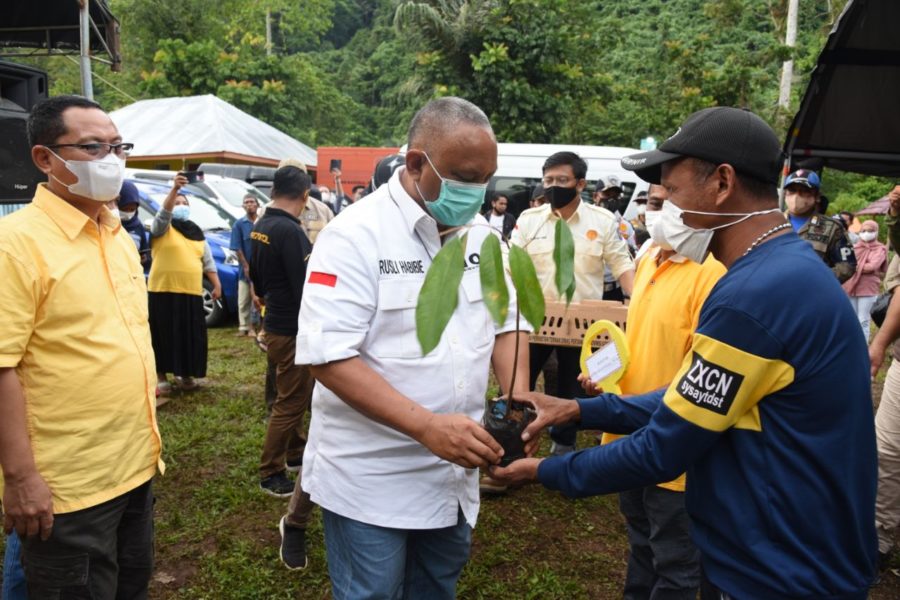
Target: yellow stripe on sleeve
718,385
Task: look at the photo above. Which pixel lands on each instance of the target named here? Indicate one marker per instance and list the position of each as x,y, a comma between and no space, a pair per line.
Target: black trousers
567,386
104,552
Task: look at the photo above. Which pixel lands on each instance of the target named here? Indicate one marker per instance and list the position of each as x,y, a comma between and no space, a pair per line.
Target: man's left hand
217,292
519,472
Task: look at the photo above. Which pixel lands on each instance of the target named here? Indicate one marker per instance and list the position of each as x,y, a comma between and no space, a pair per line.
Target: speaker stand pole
87,86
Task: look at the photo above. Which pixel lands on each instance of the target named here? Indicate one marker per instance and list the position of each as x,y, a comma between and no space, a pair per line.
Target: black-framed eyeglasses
99,149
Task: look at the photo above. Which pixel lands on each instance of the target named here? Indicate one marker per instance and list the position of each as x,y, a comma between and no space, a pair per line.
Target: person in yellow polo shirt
669,291
181,258
79,443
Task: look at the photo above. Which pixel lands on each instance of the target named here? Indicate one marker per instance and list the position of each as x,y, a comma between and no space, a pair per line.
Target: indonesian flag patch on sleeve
320,278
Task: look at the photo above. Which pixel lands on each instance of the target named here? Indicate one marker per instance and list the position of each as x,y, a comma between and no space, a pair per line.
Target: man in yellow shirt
669,291
597,244
79,443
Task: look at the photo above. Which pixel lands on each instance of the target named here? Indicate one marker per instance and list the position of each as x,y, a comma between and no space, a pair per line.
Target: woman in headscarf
181,258
871,265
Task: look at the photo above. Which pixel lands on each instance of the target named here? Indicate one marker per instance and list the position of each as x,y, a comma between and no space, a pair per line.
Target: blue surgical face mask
182,212
457,203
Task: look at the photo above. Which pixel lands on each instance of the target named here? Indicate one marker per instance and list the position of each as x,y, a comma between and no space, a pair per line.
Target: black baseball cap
608,183
719,135
385,168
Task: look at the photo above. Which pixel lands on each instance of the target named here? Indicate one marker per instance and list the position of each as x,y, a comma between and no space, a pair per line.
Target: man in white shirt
395,438
499,219
598,244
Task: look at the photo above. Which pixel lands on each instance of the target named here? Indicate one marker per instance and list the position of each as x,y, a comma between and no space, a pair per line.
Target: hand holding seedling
460,440
550,411
520,472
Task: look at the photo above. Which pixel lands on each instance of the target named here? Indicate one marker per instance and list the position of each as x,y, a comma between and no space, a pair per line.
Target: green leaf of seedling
493,283
528,288
439,295
564,259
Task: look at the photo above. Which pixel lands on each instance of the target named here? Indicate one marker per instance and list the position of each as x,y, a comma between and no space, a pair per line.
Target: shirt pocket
590,254
394,328
478,322
133,298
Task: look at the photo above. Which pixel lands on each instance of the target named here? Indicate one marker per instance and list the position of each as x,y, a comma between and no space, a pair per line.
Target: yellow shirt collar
69,219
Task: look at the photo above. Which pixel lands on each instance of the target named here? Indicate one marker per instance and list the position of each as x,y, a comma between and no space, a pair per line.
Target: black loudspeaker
20,88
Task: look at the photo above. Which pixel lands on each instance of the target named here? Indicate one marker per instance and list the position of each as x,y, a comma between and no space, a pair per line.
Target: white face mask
689,242
868,236
799,205
652,220
99,180
127,215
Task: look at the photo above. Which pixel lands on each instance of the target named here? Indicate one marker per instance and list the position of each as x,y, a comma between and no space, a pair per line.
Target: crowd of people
727,445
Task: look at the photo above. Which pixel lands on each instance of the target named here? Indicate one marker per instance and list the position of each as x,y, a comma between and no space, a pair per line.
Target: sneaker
293,546
278,485
187,384
488,485
294,465
560,449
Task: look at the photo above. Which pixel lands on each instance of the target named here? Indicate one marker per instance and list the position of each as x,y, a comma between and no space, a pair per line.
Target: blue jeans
663,563
14,587
367,562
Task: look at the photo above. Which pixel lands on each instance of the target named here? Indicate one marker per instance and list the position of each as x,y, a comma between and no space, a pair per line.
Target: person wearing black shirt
280,249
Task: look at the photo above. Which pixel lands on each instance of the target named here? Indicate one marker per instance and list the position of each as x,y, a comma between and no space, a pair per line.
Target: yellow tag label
611,361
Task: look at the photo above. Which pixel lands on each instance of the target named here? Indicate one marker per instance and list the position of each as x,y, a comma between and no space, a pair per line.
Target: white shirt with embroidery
363,282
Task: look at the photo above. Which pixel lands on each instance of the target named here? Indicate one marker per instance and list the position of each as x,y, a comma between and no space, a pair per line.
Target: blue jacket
771,416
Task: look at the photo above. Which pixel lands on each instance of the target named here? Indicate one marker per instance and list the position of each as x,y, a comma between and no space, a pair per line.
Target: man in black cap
383,171
771,411
608,194
826,236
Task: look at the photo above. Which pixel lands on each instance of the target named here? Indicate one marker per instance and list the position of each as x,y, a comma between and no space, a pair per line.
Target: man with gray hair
395,438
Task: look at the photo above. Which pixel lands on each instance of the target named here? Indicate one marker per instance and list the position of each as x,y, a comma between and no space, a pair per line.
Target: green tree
532,65
288,93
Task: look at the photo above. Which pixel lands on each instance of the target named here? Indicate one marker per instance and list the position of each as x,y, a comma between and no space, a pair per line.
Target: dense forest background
352,72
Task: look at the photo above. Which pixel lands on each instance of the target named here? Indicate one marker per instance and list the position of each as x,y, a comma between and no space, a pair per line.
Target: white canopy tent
175,132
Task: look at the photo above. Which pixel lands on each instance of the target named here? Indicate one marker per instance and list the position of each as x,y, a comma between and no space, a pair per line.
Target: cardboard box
566,326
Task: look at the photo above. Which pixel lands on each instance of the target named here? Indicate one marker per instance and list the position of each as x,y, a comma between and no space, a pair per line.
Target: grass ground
217,534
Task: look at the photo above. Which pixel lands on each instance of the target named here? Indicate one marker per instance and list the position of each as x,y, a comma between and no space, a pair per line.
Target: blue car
216,225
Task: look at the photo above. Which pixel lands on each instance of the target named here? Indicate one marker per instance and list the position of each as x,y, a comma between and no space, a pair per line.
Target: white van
227,192
519,171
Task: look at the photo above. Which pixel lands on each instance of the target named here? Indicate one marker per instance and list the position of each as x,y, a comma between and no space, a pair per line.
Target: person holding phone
336,200
181,258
